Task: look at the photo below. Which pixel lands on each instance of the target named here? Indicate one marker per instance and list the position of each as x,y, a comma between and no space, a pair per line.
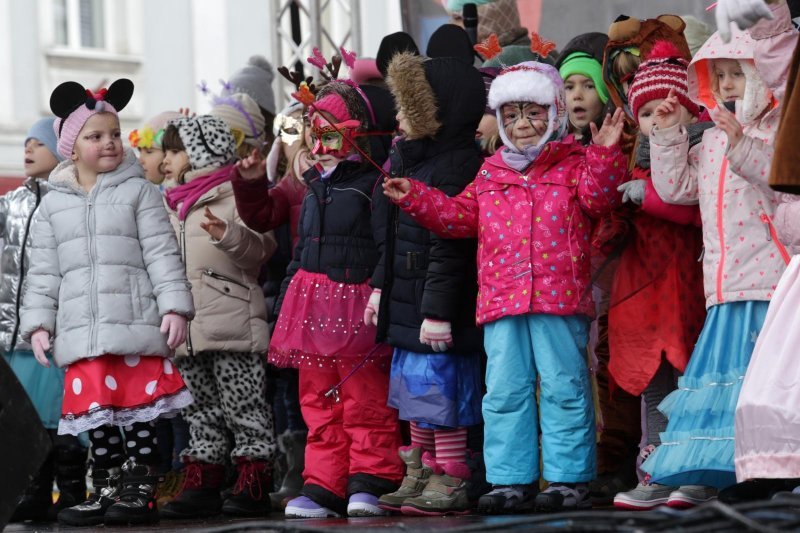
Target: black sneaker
507,499
563,497
91,512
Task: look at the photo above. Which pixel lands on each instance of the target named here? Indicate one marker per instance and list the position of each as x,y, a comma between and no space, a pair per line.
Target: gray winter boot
293,444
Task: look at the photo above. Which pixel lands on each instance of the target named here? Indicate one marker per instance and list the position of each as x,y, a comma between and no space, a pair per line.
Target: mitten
633,191
437,334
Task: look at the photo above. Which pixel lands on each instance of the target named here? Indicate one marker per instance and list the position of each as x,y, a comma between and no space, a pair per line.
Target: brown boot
445,493
417,475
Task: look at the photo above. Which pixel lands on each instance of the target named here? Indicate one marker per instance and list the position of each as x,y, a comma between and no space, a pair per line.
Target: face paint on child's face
335,140
583,102
151,159
730,79
39,160
524,123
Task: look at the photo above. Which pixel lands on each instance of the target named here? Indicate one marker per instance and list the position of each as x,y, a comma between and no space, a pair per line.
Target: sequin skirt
322,321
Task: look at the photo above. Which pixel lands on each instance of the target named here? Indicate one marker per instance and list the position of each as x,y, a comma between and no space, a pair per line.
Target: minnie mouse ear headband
73,104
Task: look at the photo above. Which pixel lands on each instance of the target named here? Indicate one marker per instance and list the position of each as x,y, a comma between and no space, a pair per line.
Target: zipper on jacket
93,275
222,277
189,348
720,194
772,235
22,269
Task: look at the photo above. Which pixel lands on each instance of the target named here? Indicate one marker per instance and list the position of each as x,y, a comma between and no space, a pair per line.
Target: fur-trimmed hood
442,97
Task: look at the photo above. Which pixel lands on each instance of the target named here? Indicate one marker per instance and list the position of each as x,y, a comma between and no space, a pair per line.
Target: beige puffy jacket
231,314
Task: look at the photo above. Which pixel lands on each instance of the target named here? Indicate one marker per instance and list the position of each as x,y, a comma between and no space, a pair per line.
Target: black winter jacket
336,231
428,276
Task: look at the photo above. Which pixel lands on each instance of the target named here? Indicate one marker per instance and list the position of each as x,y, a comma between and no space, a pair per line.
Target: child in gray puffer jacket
106,282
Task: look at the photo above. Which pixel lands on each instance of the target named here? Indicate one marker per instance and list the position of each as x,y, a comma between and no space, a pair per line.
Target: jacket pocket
355,274
136,298
226,285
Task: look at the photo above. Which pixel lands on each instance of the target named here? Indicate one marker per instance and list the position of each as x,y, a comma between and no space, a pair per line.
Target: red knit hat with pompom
663,70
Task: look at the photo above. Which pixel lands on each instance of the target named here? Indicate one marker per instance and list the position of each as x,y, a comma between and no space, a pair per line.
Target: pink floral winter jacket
743,259
533,227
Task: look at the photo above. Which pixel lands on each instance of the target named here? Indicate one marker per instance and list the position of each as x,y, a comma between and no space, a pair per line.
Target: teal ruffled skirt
45,386
697,447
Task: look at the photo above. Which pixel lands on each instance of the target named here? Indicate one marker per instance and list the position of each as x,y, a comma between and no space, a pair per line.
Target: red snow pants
358,434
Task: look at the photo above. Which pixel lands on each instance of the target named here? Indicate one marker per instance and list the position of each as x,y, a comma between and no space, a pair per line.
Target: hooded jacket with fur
422,275
105,266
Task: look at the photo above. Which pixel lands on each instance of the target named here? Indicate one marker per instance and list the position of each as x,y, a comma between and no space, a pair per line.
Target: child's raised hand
396,188
611,130
745,13
214,226
251,167
174,326
40,342
186,112
726,121
668,112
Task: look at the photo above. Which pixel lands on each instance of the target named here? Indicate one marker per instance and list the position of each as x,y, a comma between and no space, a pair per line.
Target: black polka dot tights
111,447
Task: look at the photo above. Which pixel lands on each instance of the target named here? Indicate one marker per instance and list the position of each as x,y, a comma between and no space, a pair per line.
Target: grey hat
42,131
255,80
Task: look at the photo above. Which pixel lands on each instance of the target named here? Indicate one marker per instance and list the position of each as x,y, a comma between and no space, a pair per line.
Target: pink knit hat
663,70
74,105
334,104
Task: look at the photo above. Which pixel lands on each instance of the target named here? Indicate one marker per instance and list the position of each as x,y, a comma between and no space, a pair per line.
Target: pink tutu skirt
321,322
120,390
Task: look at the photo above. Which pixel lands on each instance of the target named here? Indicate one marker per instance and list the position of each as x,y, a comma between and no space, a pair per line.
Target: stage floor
781,513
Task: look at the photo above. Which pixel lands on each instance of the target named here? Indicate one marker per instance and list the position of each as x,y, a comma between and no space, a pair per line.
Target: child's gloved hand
371,311
437,334
214,226
174,326
396,188
40,342
633,191
252,167
745,13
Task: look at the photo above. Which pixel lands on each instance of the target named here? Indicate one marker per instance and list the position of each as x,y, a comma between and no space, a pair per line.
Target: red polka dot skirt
120,390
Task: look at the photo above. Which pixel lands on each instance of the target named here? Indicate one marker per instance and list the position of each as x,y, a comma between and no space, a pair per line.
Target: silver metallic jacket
16,216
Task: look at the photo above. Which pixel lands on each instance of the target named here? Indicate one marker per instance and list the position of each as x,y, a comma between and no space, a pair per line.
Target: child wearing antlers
353,437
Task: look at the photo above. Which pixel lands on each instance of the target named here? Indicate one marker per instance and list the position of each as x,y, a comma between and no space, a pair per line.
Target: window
79,23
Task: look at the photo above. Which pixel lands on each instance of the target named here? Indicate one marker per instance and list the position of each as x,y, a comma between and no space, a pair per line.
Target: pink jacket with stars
533,227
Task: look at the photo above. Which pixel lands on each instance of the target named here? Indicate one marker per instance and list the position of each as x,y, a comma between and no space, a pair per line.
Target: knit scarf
519,160
695,132
187,194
